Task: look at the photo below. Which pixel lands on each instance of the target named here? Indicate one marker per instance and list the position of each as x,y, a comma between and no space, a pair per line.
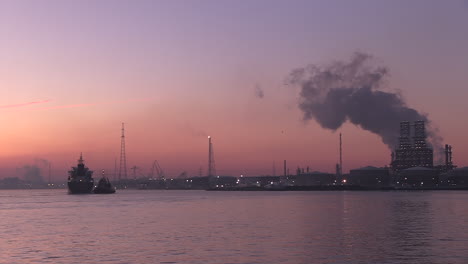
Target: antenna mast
49,174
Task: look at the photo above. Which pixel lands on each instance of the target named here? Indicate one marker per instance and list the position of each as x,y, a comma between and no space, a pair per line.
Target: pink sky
174,72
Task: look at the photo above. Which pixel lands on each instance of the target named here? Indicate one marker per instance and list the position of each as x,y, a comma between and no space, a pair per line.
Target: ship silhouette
80,178
104,186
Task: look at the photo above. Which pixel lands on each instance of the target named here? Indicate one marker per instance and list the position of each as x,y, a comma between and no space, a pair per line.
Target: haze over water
49,226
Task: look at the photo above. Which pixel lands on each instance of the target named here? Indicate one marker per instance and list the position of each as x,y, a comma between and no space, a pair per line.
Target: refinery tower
413,150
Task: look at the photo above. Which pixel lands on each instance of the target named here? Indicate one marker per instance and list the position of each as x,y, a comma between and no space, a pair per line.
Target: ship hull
76,187
108,190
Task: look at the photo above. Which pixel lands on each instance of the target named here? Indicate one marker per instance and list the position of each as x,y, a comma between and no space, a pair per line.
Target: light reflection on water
131,226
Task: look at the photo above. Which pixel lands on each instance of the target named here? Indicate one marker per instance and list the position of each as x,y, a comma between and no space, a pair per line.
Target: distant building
314,178
370,177
259,181
419,177
455,178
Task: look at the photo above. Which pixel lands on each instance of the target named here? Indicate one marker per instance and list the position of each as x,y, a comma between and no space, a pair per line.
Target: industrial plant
411,167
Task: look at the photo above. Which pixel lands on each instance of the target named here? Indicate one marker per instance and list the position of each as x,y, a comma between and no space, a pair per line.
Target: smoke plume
352,91
193,131
259,92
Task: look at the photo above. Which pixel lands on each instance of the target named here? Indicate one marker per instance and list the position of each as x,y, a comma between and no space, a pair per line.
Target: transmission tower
211,162
123,158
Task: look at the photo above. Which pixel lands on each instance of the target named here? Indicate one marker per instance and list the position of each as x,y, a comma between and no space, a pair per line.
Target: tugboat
80,178
104,186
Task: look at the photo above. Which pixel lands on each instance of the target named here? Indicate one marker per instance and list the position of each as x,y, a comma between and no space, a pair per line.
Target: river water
162,226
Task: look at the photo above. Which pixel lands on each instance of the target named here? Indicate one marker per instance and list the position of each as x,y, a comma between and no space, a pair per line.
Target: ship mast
80,161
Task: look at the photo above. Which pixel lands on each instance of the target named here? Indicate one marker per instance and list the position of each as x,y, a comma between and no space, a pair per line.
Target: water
151,226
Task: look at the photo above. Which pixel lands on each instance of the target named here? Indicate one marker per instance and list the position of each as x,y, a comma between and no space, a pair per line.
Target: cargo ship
80,178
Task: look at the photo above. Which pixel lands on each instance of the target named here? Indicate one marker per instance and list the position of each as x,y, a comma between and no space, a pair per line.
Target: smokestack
274,168
446,155
352,91
210,172
285,169
341,157
450,155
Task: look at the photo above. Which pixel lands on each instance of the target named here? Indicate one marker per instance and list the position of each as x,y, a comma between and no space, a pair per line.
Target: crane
158,170
183,175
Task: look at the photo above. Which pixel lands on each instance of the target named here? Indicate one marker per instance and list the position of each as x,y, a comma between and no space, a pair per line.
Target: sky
176,72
